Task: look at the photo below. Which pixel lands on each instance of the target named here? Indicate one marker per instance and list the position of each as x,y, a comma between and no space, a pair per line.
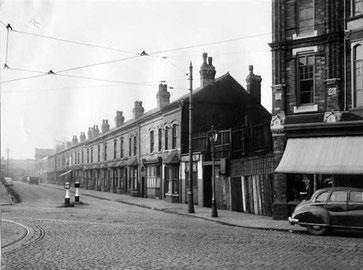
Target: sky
91,48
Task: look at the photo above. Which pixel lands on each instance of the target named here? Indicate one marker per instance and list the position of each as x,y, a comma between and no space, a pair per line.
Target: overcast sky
99,43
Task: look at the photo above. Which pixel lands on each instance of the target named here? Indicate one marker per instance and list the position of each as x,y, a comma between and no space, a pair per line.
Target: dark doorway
236,190
207,186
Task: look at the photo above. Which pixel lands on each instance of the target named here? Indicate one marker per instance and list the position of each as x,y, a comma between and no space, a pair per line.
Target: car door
355,209
337,207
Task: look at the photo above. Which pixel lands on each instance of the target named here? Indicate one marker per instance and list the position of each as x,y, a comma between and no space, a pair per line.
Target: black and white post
67,200
76,198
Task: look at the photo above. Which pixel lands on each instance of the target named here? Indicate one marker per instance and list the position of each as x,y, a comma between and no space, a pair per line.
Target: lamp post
190,189
213,137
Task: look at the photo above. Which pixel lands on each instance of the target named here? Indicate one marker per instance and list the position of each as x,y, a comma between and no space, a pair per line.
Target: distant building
39,166
317,123
147,156
16,168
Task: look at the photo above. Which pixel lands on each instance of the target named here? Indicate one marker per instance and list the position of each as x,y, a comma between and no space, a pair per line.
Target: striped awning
323,155
63,174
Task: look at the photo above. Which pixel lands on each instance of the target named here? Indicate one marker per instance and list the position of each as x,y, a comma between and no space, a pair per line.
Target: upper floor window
130,146
174,136
151,141
305,79
105,151
98,153
159,139
122,148
91,154
87,155
114,149
358,75
357,7
305,16
166,138
135,145
82,160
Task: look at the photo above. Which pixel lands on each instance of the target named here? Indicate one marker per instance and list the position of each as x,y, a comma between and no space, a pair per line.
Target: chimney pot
207,71
254,84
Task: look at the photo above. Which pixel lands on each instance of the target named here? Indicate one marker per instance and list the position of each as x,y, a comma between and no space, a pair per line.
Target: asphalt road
102,234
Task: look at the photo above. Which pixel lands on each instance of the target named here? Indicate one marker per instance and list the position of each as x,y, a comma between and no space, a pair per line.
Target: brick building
147,156
317,122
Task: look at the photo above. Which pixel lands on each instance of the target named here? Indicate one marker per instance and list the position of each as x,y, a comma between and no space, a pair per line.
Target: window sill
306,108
308,35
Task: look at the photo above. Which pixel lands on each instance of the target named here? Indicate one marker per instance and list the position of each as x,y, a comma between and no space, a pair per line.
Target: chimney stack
74,140
254,84
96,131
163,96
90,133
105,126
207,71
82,137
138,110
119,119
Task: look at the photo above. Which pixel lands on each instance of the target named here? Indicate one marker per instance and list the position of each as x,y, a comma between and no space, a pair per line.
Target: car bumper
293,221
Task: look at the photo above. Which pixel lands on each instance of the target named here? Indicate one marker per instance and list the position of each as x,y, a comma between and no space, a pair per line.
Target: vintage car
329,208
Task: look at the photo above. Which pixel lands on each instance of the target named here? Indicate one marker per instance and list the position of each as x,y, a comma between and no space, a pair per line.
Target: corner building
317,112
147,156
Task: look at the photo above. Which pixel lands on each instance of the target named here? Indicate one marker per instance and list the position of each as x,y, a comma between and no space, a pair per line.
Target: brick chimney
74,140
254,84
138,110
82,136
207,71
105,126
119,119
95,131
163,96
90,133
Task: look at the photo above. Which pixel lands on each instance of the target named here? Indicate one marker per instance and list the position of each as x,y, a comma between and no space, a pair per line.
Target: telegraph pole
190,189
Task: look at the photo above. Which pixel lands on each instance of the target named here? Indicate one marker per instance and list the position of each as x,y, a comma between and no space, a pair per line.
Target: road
103,234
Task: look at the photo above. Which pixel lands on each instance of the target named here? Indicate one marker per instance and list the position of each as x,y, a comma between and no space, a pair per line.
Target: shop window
153,176
133,178
358,75
305,16
195,174
305,73
172,178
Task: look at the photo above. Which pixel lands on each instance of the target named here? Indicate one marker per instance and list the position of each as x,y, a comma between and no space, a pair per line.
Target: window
105,152
357,7
114,149
135,145
122,148
172,178
153,176
82,160
91,154
166,138
322,197
98,153
174,136
356,196
151,141
305,16
159,139
338,196
87,155
130,146
358,75
305,79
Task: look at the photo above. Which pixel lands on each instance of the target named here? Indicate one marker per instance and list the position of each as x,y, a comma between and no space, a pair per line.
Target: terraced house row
147,156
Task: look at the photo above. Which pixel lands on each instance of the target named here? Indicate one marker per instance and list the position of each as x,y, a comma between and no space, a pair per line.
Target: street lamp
213,137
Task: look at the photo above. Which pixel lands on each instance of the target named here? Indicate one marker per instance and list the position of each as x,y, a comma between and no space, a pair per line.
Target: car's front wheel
317,230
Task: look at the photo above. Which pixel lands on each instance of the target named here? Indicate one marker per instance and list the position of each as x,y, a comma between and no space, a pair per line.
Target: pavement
225,217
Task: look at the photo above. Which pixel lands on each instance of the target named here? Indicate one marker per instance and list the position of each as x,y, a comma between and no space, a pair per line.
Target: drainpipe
345,57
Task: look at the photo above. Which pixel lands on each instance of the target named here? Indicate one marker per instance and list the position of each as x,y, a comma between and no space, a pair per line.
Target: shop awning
132,162
172,158
64,174
323,155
